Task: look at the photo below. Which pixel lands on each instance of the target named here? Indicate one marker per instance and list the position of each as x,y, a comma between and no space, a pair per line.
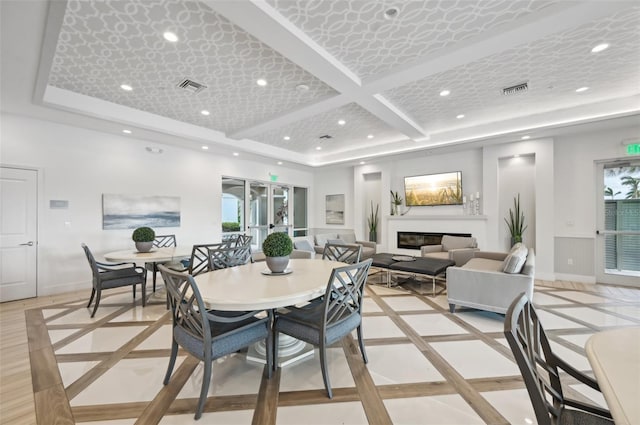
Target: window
232,205
300,211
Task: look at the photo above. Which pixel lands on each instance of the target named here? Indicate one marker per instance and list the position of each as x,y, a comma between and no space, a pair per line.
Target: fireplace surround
414,240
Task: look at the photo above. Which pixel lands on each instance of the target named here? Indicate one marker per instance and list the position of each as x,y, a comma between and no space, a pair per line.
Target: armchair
459,249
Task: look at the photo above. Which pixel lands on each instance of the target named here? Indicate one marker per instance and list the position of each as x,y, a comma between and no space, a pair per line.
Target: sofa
459,249
316,243
492,280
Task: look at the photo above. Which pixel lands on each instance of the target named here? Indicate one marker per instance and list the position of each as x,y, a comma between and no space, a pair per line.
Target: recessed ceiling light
126,87
318,148
125,131
460,116
600,47
391,13
287,138
370,136
170,36
261,82
153,150
236,154
362,162
444,93
279,162
302,87
342,122
526,137
582,89
205,112
205,148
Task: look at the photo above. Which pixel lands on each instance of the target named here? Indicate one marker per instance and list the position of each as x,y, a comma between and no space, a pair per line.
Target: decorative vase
373,236
277,264
144,246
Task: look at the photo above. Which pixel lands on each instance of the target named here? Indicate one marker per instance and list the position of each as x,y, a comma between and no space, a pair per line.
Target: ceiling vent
326,136
518,88
191,86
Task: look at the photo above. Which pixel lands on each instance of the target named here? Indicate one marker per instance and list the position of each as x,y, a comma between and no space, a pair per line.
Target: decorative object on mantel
372,221
515,223
143,237
276,248
473,206
396,201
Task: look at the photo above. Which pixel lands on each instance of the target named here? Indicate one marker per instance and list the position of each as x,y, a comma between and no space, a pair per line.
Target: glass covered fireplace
414,240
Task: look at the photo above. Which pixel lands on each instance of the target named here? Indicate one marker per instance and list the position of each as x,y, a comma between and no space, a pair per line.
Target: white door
18,235
618,221
269,211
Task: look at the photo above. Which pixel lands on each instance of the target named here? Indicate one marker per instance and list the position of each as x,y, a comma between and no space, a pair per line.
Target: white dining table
615,358
249,287
156,255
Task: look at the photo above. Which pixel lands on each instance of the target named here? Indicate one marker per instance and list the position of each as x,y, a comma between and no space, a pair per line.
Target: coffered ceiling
379,66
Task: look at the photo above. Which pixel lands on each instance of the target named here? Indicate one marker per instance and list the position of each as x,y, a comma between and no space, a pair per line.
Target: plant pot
277,264
373,236
515,240
144,246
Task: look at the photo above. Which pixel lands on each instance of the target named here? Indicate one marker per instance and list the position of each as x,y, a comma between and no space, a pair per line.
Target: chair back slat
92,262
229,256
345,253
343,296
199,262
165,241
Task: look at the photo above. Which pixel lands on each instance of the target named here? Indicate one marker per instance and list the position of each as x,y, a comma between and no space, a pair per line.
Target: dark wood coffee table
432,268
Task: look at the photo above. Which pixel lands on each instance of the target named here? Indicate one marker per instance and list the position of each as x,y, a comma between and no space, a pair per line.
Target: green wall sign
633,149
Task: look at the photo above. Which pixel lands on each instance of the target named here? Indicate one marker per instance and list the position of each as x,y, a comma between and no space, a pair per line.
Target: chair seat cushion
120,277
483,264
443,255
577,417
304,323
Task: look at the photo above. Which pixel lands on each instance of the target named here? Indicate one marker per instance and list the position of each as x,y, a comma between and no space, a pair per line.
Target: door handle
30,243
271,226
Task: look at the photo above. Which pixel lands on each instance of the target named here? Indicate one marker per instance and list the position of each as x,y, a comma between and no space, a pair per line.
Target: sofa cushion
441,255
483,264
303,245
453,242
514,261
347,237
336,241
322,238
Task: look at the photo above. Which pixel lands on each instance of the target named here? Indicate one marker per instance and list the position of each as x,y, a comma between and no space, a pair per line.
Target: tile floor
426,366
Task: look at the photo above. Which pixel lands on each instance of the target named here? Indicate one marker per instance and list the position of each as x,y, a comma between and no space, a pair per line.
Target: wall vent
518,88
191,86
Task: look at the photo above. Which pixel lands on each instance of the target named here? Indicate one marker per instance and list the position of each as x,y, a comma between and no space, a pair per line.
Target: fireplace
414,240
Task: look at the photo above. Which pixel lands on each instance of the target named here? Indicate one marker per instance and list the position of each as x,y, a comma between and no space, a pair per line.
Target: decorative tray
270,273
403,258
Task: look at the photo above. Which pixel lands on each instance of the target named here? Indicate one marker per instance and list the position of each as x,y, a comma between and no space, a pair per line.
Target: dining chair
206,335
326,322
114,275
161,241
539,367
346,253
224,256
199,262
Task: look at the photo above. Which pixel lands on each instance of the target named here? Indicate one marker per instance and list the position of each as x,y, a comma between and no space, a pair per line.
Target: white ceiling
382,76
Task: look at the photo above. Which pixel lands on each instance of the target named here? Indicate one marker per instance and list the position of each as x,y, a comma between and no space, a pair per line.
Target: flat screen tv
433,189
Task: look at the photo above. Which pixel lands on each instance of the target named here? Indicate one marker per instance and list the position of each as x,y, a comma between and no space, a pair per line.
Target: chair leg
172,362
206,378
95,307
93,293
361,343
323,366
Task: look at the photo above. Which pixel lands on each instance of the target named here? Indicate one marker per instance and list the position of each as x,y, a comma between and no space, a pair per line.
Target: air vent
191,86
518,88
326,136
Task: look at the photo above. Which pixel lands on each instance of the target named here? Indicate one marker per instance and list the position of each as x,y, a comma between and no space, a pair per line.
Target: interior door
268,211
280,221
18,233
618,221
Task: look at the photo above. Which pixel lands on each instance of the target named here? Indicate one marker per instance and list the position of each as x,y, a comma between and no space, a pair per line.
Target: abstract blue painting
131,211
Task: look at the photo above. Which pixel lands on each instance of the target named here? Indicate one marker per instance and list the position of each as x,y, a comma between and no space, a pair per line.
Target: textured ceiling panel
305,135
554,67
357,33
104,44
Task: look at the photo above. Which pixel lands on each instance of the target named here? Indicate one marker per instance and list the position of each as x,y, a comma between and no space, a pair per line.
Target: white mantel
451,223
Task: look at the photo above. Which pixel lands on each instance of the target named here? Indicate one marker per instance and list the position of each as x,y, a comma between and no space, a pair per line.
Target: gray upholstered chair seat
306,324
120,277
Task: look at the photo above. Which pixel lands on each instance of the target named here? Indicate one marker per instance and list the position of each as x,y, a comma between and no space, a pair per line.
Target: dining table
157,255
253,287
614,356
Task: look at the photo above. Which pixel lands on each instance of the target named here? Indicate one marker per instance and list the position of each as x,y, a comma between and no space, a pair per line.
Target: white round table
156,255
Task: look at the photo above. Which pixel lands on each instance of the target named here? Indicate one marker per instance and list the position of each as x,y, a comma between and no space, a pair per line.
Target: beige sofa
317,243
483,284
459,249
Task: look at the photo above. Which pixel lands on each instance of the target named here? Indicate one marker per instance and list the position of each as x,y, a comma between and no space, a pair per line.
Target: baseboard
544,276
575,278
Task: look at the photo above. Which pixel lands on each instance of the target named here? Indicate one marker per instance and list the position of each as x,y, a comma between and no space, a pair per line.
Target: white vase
277,264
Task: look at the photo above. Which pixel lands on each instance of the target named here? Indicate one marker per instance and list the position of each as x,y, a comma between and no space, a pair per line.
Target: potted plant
143,237
276,248
515,223
396,201
372,221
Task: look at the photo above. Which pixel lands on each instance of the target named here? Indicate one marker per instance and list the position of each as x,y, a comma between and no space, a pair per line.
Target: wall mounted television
433,189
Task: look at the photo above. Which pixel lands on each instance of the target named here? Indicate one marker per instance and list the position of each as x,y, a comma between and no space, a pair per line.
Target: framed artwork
131,211
334,211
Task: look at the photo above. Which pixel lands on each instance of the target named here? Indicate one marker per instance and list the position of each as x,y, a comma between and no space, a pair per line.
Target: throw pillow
303,245
514,262
347,237
336,241
321,240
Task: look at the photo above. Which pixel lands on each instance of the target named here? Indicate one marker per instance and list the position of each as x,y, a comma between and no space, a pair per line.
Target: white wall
333,181
517,177
80,165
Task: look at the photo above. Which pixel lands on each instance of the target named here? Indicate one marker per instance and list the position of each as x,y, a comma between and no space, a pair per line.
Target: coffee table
432,268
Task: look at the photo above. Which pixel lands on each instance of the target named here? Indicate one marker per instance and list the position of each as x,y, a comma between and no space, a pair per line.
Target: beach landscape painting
334,212
131,211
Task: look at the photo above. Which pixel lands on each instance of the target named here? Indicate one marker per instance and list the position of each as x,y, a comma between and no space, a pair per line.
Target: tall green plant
515,223
372,220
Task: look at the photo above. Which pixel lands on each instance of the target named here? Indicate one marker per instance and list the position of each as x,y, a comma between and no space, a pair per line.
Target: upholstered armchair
455,248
